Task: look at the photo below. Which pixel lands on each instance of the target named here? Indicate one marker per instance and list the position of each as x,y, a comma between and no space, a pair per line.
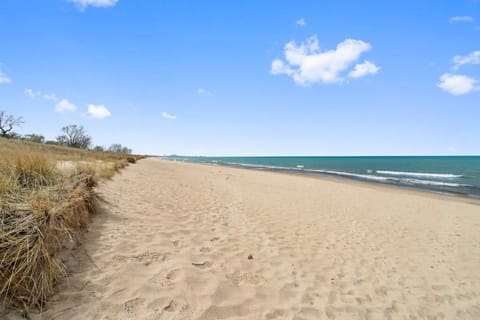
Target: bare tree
74,136
7,123
117,147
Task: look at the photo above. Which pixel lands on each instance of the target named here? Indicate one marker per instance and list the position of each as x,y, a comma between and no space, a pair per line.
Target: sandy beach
190,241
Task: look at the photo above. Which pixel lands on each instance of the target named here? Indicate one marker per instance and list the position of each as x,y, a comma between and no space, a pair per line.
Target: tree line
71,135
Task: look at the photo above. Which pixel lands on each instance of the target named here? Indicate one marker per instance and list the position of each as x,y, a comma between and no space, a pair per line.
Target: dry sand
191,241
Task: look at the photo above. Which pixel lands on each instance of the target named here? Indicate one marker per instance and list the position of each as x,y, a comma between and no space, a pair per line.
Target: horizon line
333,156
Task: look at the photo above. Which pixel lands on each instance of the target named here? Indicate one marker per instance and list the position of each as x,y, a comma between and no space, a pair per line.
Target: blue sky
247,77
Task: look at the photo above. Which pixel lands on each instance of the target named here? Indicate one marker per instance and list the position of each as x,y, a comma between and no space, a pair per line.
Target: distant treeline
71,135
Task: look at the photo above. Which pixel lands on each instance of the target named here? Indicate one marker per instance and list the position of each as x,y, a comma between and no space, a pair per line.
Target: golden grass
44,204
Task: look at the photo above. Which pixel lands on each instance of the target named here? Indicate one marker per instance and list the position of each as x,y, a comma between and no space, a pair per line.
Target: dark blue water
447,174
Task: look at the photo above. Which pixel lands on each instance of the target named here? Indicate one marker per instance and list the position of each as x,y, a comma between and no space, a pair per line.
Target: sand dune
189,241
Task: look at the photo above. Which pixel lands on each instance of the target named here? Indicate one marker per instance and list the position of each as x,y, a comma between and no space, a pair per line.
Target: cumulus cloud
456,84
363,69
98,111
169,116
472,58
65,106
38,94
204,92
4,78
460,19
307,64
301,22
82,4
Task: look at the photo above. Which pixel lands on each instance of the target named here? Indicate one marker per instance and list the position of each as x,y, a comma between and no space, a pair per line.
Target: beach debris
250,257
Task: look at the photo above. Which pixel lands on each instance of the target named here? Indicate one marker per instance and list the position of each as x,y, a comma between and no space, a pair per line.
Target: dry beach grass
191,241
44,206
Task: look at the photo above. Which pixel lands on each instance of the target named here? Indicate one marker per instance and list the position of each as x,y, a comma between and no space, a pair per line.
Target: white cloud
35,94
306,64
50,97
456,84
82,4
31,93
472,58
460,19
4,78
65,105
363,69
98,111
167,115
301,22
204,92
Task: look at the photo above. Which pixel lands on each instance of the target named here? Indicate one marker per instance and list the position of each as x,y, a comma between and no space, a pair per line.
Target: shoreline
472,199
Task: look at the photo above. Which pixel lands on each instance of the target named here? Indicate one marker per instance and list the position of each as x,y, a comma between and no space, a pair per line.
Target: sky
249,77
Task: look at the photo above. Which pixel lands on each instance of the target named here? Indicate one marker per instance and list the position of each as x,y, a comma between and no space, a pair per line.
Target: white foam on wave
392,179
434,183
418,174
258,166
355,175
371,177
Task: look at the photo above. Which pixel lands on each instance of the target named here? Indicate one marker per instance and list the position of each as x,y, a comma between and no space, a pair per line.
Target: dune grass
46,199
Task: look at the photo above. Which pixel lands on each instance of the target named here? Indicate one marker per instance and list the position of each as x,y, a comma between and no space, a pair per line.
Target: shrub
37,138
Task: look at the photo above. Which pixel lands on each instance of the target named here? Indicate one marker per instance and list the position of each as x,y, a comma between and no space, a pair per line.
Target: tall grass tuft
34,170
34,227
46,199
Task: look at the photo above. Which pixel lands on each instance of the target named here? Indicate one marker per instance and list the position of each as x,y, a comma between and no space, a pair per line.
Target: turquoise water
448,174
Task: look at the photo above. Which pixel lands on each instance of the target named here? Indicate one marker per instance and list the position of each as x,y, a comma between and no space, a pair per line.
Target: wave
434,183
408,181
354,175
258,166
418,174
371,177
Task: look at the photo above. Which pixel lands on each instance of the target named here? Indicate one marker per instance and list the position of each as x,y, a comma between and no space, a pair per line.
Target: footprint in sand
174,274
278,314
131,307
238,278
205,249
145,258
172,306
178,307
178,243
